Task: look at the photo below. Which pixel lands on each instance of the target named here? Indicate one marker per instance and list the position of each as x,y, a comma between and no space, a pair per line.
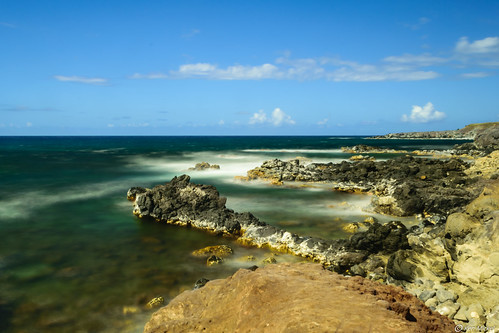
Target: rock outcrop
183,203
296,298
204,166
363,149
458,257
402,186
486,166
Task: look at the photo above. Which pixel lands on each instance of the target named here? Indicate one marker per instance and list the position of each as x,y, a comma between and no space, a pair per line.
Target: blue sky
246,67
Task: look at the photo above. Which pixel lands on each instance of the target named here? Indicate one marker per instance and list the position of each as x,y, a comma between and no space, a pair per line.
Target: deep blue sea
73,258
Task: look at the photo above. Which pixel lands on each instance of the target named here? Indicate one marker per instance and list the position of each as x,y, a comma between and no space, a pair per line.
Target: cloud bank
407,67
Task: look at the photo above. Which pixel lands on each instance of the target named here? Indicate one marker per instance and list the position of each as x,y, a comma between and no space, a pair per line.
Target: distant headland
469,132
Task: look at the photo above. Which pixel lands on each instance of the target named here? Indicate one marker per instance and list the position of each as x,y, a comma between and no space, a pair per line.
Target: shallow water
73,258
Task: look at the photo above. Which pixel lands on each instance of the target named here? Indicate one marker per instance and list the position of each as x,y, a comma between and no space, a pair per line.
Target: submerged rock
218,250
295,298
213,260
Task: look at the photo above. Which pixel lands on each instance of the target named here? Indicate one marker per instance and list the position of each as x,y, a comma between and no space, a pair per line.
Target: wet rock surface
402,186
296,298
183,203
205,166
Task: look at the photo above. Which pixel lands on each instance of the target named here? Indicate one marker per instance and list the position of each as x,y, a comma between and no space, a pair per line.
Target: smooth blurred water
73,258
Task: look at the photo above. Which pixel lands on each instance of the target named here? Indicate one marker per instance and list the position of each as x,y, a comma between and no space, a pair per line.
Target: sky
246,67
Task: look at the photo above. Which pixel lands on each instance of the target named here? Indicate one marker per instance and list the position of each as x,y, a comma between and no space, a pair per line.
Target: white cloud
110,125
151,76
475,75
424,59
405,67
323,121
258,118
277,118
353,71
309,69
29,124
221,122
372,73
81,79
237,72
482,46
423,114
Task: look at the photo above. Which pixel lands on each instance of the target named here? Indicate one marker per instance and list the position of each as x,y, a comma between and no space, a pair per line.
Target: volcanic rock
402,186
205,166
183,203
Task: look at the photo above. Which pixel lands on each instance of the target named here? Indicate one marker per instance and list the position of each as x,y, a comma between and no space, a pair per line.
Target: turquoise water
73,258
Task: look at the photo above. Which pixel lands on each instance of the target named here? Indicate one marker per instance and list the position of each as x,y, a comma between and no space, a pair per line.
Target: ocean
73,257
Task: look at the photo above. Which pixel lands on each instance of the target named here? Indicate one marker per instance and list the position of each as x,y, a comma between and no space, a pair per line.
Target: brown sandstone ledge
296,298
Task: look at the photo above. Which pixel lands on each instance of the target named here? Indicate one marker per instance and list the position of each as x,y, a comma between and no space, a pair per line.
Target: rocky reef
401,186
363,149
296,298
183,203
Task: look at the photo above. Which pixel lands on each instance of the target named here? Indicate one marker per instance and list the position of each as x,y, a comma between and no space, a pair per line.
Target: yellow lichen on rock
362,158
155,302
217,250
269,260
350,227
276,182
213,260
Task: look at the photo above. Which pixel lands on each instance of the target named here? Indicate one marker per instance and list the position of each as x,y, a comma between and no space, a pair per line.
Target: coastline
357,256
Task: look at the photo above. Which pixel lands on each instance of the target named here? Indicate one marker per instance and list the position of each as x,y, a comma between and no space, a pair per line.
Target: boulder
205,166
218,250
385,238
295,298
460,224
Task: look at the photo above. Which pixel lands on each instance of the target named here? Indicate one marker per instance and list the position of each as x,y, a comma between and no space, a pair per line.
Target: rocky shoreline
469,132
450,261
402,186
